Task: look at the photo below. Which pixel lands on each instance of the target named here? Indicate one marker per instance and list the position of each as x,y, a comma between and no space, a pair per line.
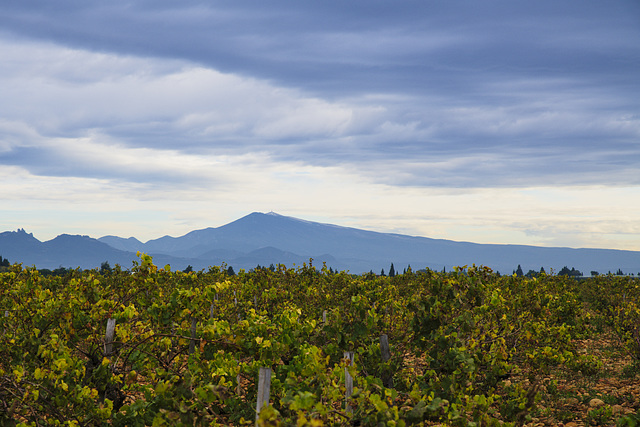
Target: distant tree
392,271
61,271
4,264
519,271
382,272
531,273
619,272
189,269
571,273
105,268
594,273
542,270
230,271
272,267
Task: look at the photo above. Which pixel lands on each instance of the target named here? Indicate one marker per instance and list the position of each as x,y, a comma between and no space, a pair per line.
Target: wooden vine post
385,352
264,384
109,336
235,303
348,381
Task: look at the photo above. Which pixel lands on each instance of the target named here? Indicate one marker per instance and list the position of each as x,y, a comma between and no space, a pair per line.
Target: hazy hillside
272,239
362,250
65,250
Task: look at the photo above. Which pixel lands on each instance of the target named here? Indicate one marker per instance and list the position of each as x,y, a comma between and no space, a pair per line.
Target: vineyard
309,347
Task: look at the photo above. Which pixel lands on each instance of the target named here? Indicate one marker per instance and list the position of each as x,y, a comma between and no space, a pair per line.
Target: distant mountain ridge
265,239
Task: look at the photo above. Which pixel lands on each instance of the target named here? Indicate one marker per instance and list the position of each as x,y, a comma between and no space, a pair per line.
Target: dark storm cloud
342,47
459,93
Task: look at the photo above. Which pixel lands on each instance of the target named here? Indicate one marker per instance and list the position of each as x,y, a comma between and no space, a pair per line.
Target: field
148,346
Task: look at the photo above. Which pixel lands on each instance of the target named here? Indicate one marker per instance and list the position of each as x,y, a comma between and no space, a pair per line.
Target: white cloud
237,185
189,104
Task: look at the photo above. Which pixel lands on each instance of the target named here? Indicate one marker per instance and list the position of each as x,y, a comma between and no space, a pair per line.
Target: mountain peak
19,234
22,231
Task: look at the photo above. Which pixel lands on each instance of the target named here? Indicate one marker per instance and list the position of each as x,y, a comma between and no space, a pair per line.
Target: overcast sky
485,121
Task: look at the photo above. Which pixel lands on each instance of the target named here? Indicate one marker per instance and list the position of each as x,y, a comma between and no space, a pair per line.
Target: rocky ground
601,394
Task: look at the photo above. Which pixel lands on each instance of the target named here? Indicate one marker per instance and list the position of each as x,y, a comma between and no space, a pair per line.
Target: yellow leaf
301,420
18,372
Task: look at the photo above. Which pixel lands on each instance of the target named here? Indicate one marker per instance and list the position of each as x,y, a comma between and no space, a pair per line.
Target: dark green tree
105,268
392,271
4,264
230,271
571,273
519,271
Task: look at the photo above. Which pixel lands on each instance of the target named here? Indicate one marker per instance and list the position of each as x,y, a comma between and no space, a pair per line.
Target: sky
490,122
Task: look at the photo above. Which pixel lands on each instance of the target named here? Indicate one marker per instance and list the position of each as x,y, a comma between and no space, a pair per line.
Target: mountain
65,250
19,244
270,238
71,251
361,250
128,245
